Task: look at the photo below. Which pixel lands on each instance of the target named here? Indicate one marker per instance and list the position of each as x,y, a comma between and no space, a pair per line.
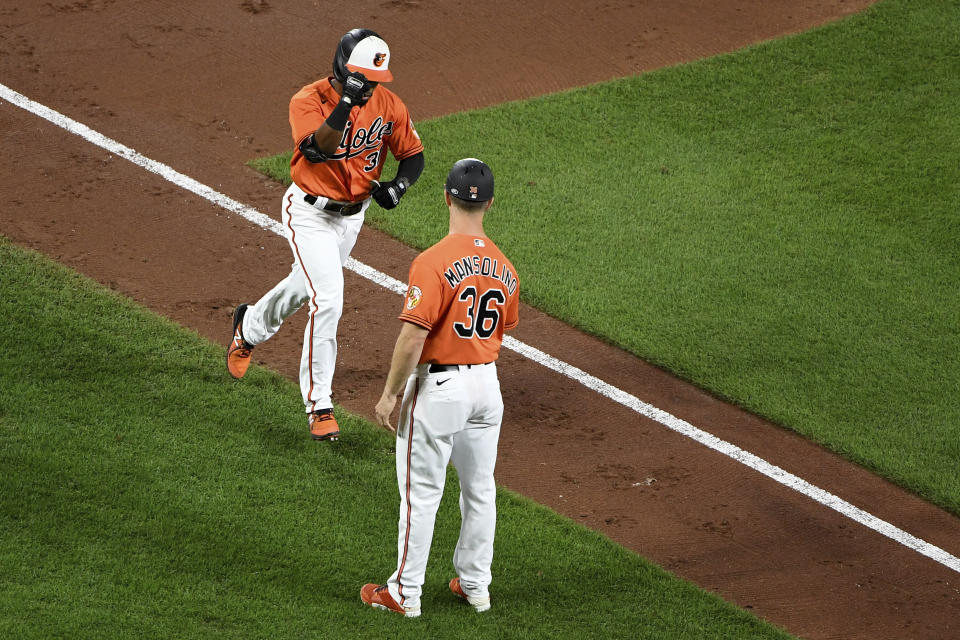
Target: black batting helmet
365,51
471,180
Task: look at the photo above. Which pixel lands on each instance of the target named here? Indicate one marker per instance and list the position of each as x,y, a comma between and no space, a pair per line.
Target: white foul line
608,391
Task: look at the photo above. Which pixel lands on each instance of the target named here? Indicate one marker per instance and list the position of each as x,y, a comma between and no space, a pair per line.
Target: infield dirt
204,87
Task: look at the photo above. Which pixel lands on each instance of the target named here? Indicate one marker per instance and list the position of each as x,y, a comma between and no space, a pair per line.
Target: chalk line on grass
606,390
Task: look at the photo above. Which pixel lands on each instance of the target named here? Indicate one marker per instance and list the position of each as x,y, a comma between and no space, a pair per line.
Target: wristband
338,119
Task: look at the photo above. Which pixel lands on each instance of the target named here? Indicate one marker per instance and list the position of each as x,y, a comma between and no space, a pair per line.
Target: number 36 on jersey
466,293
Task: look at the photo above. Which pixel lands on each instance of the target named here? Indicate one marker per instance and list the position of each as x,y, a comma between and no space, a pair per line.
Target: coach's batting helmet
471,180
364,51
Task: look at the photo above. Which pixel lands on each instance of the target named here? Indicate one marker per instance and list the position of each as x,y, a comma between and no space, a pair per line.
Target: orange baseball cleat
238,353
378,597
480,604
323,425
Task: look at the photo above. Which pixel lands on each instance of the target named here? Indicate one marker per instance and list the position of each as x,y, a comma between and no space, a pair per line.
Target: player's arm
407,148
388,194
406,355
323,143
409,169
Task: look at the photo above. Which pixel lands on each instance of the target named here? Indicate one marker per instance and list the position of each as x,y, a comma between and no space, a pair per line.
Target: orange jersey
380,124
466,293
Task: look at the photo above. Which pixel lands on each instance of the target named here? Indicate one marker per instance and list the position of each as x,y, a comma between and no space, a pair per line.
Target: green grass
145,493
778,225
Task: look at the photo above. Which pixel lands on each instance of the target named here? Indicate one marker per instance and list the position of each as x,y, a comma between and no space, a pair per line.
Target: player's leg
320,243
257,323
325,304
263,319
423,451
474,456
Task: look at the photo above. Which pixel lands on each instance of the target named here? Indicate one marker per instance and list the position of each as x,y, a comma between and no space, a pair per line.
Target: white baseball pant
321,243
451,416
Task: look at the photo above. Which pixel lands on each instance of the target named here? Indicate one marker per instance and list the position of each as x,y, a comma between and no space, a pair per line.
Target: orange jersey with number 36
466,293
380,124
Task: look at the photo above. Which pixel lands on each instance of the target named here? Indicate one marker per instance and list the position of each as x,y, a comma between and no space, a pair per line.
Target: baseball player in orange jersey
463,293
343,127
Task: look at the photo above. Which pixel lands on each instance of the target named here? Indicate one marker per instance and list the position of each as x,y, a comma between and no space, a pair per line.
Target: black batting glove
354,86
388,194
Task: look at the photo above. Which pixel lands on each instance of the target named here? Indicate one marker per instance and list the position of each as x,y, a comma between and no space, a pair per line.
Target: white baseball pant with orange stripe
451,416
321,243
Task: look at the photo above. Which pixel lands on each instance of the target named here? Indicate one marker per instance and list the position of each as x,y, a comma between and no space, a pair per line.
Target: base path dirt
203,86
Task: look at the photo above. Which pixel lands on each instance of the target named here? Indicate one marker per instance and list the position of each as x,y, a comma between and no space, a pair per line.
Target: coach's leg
475,456
421,458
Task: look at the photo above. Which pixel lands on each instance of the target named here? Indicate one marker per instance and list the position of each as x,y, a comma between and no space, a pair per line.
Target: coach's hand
383,410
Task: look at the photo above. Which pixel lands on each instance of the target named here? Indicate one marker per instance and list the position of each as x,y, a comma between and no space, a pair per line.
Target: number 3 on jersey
482,318
373,159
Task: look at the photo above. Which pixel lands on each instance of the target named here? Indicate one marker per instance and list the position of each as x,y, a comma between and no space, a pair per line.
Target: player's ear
446,197
489,202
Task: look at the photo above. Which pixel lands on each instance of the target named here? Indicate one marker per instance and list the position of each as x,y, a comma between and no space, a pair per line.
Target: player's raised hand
355,85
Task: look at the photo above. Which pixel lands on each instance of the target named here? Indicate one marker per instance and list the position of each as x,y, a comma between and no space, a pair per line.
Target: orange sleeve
405,141
511,312
424,300
308,110
513,308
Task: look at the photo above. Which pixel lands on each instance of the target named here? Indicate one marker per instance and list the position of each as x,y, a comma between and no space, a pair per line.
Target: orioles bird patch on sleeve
413,297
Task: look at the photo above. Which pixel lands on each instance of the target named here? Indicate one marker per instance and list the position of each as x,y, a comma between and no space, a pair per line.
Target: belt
343,208
440,368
